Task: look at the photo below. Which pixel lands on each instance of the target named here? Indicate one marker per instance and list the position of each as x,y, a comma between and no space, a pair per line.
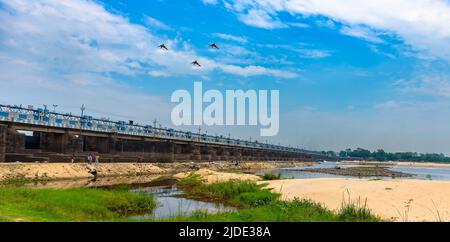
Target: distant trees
381,155
330,153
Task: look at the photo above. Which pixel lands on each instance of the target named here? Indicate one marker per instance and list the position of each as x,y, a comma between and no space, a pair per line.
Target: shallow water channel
170,203
169,198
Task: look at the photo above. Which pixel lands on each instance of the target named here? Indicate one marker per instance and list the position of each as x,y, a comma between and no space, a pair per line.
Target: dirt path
398,200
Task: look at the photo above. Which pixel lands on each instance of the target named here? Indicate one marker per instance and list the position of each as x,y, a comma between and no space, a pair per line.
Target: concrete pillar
74,144
3,134
171,151
112,145
15,142
195,153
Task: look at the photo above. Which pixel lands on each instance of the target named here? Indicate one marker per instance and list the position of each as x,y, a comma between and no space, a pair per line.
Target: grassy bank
258,204
242,194
82,204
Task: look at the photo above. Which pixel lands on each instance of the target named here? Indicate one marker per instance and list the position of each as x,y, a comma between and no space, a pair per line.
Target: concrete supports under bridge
31,144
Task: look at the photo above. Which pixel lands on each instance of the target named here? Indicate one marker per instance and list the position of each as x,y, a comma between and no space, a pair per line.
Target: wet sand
396,200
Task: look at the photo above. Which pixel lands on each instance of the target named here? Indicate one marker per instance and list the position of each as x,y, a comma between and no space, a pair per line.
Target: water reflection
171,204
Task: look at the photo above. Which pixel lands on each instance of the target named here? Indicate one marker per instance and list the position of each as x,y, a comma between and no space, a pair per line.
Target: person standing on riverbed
97,159
90,158
72,158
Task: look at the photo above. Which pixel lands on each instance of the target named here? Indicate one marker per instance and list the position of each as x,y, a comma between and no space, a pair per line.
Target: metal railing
44,117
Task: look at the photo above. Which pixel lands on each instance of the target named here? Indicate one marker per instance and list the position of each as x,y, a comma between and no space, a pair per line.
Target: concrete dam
39,135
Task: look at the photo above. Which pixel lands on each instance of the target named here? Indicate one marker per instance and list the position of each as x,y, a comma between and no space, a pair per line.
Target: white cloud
159,73
212,2
423,24
257,70
312,53
80,37
239,39
303,51
361,32
260,18
326,23
299,25
69,52
152,22
434,85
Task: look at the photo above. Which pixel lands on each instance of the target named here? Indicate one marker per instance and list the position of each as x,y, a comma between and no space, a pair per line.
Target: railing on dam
44,117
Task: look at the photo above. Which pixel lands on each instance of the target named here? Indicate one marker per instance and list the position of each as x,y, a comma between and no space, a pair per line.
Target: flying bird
214,46
195,63
163,46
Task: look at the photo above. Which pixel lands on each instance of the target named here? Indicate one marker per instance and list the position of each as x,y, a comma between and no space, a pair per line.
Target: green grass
271,177
241,194
280,211
255,203
20,181
82,204
258,204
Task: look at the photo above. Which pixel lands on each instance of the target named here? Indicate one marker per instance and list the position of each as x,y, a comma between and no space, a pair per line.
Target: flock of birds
195,62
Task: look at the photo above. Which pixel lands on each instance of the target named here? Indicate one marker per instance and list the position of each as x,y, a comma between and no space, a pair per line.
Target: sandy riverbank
58,171
397,200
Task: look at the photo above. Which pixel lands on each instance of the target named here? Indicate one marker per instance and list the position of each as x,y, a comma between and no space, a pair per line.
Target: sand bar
397,200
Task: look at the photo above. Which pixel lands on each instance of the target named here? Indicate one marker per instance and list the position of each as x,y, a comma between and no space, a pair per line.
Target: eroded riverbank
66,171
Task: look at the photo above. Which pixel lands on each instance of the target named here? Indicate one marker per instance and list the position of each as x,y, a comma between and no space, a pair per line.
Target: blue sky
372,74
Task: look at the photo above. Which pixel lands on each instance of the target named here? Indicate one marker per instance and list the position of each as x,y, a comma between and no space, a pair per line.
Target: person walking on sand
72,158
97,159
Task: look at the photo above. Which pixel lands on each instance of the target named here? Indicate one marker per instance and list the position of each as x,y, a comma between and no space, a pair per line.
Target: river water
418,171
170,203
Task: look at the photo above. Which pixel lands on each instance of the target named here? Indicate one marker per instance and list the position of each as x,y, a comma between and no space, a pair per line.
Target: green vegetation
259,204
281,211
238,194
354,211
255,203
82,204
271,176
21,180
381,155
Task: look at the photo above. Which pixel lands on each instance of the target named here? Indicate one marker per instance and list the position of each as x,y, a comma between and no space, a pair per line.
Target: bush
355,211
191,181
270,176
260,198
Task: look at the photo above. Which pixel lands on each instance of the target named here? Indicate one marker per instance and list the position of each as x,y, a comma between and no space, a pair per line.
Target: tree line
381,155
